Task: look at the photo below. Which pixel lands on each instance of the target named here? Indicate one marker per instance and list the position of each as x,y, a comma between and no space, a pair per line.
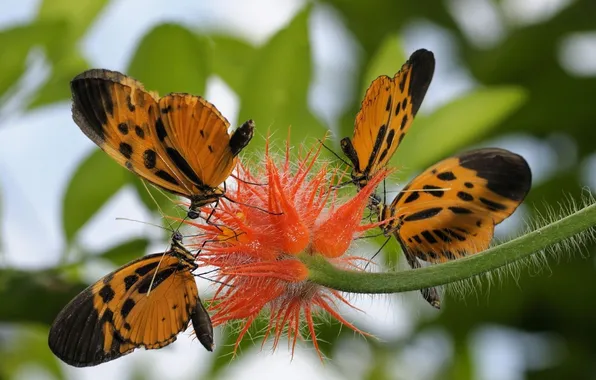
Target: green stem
324,273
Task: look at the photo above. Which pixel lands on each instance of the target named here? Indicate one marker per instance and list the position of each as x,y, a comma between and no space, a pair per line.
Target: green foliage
275,93
170,58
91,186
523,89
125,252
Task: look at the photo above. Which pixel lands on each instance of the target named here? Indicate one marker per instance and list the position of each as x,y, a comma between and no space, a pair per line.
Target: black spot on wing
143,270
160,277
140,132
454,234
435,191
123,128
166,177
467,197
106,293
376,147
423,68
428,237
125,149
412,197
129,281
388,106
149,158
127,307
131,106
160,129
507,174
404,121
184,166
492,205
460,210
446,176
443,236
424,214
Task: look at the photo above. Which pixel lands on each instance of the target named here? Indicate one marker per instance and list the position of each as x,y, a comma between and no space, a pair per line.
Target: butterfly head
206,197
242,136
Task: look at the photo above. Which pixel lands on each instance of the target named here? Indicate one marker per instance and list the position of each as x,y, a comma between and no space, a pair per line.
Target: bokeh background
518,74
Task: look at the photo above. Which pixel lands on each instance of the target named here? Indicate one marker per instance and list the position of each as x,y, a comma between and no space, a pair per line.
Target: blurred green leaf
95,181
51,293
170,58
455,125
158,199
276,89
29,347
57,87
225,349
231,60
16,44
387,61
125,252
78,14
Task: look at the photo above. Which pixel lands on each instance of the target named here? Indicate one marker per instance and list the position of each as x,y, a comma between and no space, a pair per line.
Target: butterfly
179,142
146,303
387,112
451,209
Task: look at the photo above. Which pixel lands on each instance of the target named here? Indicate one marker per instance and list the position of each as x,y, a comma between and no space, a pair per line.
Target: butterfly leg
431,295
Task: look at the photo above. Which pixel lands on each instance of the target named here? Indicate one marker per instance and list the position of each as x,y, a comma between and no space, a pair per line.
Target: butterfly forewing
179,142
387,112
146,303
450,210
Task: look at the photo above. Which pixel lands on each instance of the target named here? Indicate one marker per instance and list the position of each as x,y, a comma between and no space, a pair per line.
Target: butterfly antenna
213,280
159,209
155,274
379,251
252,206
333,152
147,223
247,182
369,236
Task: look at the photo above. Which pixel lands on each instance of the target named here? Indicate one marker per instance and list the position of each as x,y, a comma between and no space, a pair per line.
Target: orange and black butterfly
145,303
179,142
451,209
387,112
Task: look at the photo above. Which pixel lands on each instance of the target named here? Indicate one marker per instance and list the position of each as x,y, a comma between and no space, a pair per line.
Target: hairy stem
324,273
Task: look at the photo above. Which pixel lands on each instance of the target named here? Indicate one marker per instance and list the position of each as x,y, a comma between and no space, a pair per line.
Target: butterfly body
387,112
179,142
145,303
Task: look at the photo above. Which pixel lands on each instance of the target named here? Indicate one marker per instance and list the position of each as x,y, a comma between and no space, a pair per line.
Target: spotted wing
124,120
450,210
387,112
118,313
195,137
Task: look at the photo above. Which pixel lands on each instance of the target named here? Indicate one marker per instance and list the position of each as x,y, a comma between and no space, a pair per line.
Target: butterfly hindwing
387,112
450,210
179,142
145,303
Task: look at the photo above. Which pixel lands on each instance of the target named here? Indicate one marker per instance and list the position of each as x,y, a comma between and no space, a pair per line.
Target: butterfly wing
195,137
451,209
146,303
123,119
387,112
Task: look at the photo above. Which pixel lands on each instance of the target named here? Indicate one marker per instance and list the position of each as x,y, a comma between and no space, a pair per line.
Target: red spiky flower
258,240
